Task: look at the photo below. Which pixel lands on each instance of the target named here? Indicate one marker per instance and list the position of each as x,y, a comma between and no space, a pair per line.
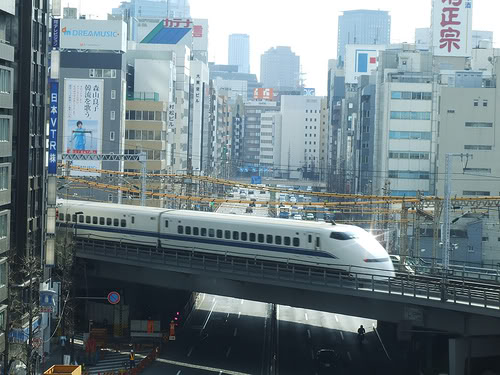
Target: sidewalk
55,357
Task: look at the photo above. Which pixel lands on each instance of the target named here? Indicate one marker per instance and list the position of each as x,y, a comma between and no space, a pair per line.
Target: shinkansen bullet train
348,248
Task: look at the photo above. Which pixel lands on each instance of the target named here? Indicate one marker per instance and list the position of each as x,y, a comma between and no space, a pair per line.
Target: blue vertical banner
55,32
54,109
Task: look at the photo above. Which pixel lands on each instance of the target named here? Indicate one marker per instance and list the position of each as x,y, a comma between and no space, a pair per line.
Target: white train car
344,247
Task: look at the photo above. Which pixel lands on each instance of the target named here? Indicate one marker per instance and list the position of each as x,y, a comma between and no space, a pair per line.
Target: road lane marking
213,300
342,335
199,367
208,317
241,302
178,372
228,351
308,333
239,314
349,356
336,318
227,317
190,351
307,318
235,332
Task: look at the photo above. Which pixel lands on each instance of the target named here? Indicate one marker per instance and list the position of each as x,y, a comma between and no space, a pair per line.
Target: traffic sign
113,298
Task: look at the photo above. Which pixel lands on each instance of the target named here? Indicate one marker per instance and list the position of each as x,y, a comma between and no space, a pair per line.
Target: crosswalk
110,361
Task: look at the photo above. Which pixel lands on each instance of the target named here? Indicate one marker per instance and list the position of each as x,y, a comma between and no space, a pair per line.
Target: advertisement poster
83,116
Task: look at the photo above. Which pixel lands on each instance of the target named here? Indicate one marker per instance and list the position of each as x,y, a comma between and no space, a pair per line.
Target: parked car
310,216
297,217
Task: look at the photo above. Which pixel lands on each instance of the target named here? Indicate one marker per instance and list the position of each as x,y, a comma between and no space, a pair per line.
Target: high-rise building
280,69
154,9
362,27
23,87
239,52
423,38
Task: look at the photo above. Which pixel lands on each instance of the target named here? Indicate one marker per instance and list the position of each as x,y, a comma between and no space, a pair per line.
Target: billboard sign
309,92
55,32
263,94
452,28
54,113
360,60
83,116
93,35
199,31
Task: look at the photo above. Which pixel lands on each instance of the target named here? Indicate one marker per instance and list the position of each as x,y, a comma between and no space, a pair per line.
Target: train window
101,221
211,232
310,238
260,238
68,218
73,218
116,222
296,241
317,242
166,222
277,240
252,237
94,219
227,234
108,221
203,232
180,229
269,238
236,235
244,236
81,218
219,233
61,216
196,231
188,230
132,218
343,236
288,241
87,219
123,223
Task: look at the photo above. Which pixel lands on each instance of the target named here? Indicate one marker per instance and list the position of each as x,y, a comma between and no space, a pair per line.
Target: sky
309,27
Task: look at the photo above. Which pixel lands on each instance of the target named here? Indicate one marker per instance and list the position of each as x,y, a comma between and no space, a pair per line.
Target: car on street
326,359
297,217
310,216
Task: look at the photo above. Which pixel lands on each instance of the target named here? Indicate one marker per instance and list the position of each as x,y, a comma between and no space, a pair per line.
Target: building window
5,86
485,239
485,103
410,135
478,124
4,178
476,193
3,226
405,115
4,130
113,94
478,147
112,115
476,103
3,281
111,136
478,170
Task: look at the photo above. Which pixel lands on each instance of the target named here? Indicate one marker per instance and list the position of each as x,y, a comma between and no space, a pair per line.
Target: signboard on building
93,35
309,92
83,116
53,125
171,116
263,94
452,28
360,60
199,31
55,32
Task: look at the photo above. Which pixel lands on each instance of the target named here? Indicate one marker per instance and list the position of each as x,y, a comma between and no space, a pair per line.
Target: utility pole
447,206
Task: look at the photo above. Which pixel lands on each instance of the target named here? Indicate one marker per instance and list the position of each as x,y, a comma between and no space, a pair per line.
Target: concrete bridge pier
474,355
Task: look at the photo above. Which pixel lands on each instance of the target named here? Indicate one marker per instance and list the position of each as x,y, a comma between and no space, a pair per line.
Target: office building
280,69
23,88
154,9
226,74
239,52
300,136
362,27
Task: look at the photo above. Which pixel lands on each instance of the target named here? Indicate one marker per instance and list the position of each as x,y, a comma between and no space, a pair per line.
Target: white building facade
239,52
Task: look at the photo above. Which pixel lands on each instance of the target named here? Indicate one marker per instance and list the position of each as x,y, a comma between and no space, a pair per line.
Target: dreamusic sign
452,28
93,35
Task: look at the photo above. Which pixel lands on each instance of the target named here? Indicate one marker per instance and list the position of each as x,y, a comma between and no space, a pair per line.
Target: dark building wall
28,179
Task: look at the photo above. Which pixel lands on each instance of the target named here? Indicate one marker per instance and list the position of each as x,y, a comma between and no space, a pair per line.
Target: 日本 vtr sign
452,28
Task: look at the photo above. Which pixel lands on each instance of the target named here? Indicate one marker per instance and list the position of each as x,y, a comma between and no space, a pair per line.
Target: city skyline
321,31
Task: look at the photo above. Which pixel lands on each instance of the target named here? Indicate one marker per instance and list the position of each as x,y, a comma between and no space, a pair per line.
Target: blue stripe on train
205,240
